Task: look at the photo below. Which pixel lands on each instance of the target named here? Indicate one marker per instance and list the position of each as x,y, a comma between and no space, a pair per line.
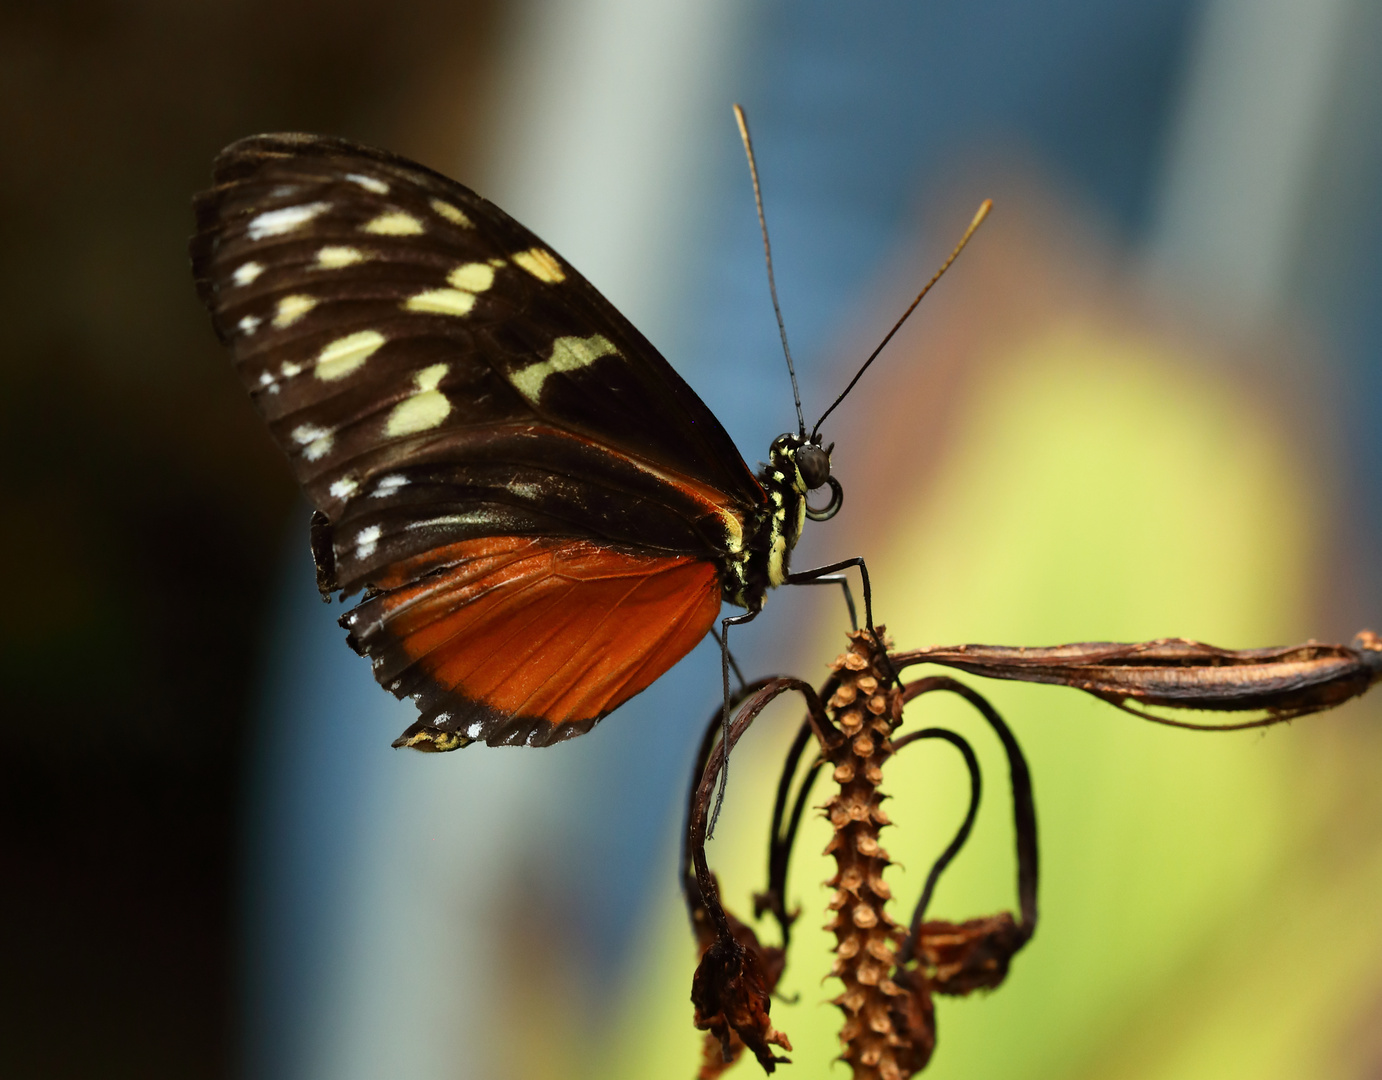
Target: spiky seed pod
866,708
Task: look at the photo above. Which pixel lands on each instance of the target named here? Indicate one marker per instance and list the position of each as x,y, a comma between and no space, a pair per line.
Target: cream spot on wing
348,354
265,379
278,222
249,324
333,257
315,441
369,183
345,487
452,214
441,302
568,354
425,409
245,273
291,308
388,485
290,369
472,277
366,540
470,517
542,264
394,223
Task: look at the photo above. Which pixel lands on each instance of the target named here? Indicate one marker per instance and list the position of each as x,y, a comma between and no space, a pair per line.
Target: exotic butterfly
543,516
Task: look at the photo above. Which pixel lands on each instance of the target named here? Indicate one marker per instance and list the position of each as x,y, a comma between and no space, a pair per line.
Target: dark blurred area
145,507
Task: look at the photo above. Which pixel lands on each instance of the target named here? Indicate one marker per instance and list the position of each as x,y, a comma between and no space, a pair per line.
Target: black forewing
435,372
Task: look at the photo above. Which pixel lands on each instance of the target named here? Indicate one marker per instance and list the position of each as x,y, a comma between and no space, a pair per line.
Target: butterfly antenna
768,255
979,216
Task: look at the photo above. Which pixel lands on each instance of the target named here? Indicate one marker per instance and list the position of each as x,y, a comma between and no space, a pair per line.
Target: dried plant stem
877,1032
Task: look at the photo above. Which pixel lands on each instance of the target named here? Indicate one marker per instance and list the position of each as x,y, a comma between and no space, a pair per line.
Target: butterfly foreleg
725,661
734,664
842,581
831,573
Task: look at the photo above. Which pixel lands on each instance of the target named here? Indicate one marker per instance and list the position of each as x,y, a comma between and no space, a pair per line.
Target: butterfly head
805,467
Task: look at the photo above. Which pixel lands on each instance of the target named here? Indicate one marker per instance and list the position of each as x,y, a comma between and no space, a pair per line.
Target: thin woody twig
1285,682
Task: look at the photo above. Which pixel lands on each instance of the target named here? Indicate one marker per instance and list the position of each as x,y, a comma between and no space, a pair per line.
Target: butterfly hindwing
527,641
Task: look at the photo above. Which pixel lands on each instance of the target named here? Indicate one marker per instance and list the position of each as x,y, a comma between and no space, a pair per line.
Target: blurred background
1146,402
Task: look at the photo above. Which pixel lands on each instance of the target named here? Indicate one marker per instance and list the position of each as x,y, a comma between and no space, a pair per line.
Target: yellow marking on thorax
394,223
542,264
346,355
568,354
291,308
452,214
425,409
777,559
335,257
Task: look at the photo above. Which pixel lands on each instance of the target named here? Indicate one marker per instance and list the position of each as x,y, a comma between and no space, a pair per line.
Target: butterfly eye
814,465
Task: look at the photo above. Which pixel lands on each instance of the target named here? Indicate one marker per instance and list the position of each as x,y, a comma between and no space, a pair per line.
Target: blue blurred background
1145,403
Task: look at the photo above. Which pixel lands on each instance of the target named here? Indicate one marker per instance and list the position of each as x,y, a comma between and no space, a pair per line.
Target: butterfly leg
734,664
725,661
843,582
825,573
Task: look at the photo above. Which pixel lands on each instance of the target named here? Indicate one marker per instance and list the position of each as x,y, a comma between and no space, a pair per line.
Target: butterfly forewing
446,386
345,279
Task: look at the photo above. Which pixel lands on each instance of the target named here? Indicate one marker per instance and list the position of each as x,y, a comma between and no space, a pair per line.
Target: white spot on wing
366,540
471,517
568,354
348,354
333,257
315,441
291,308
394,223
245,273
542,264
474,731
344,488
290,369
248,324
278,222
369,183
425,409
387,485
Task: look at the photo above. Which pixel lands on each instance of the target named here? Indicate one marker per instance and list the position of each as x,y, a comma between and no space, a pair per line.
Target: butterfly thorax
763,562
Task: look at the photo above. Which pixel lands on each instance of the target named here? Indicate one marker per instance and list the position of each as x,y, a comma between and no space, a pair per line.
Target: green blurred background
1146,402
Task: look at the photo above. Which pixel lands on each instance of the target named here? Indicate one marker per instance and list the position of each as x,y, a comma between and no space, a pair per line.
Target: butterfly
542,516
